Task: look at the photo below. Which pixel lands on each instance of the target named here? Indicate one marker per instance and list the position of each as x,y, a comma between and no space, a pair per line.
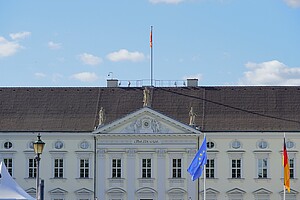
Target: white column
161,173
130,173
101,186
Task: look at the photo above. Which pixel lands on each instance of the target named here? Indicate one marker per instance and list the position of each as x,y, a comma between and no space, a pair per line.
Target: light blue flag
197,165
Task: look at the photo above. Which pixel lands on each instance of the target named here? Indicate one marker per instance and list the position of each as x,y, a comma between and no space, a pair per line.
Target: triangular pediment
146,121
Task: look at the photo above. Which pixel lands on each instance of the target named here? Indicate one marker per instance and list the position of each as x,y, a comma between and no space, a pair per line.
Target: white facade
59,167
145,155
141,156
248,165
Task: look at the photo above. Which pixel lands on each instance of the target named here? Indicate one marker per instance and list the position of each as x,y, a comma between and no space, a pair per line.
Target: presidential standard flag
199,161
151,38
286,168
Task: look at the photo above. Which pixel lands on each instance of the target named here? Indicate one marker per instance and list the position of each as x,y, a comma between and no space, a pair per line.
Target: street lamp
38,147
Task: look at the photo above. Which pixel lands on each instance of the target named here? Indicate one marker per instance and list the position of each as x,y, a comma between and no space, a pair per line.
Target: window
146,168
7,145
236,165
176,168
210,168
58,145
236,144
262,145
210,145
116,168
84,145
292,168
31,168
290,144
58,168
84,168
9,165
262,168
262,197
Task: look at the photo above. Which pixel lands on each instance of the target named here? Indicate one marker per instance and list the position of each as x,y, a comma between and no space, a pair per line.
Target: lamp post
38,147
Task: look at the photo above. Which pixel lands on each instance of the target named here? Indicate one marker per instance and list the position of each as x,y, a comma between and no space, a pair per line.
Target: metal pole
42,186
151,57
37,158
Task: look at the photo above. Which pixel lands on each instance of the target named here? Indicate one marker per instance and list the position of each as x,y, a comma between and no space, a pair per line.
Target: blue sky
80,43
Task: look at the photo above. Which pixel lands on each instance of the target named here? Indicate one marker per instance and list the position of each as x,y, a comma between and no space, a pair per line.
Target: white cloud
270,73
166,1
293,3
90,59
39,75
8,48
124,54
85,76
20,35
53,45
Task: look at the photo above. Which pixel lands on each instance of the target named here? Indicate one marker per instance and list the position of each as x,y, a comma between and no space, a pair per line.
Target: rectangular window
9,165
236,165
176,168
84,168
116,168
31,168
58,168
146,168
292,168
210,168
262,168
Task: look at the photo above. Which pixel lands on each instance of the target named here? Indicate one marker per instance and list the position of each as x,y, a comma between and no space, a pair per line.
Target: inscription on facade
146,142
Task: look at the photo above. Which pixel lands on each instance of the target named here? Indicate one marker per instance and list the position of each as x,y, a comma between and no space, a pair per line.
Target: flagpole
198,146
204,178
283,173
151,57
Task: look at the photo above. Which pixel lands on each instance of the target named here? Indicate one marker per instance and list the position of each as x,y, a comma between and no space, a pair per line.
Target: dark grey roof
229,108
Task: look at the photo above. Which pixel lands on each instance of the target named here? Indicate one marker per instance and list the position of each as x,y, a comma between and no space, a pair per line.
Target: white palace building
136,143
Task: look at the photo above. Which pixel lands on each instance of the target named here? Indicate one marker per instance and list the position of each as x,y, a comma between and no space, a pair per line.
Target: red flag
151,38
286,168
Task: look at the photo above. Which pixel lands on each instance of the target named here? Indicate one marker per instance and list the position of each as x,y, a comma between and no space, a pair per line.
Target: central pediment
146,121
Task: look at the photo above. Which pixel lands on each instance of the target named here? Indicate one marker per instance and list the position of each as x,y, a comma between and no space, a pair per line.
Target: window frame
60,169
84,171
116,171
176,169
263,169
146,171
210,168
32,169
9,163
236,169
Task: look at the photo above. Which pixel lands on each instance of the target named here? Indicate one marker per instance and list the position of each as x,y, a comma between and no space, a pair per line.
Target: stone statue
101,116
192,117
147,97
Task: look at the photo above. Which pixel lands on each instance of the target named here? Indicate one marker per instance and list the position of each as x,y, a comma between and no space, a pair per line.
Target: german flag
286,168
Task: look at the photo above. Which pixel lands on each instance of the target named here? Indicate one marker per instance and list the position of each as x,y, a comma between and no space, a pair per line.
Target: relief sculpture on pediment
146,125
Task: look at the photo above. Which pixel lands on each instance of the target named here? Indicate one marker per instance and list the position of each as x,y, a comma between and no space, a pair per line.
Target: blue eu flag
197,165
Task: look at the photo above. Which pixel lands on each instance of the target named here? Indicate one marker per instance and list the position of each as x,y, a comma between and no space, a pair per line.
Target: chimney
112,83
192,82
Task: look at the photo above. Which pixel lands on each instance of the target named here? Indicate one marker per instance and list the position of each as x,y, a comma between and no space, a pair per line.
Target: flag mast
151,58
204,178
286,169
284,187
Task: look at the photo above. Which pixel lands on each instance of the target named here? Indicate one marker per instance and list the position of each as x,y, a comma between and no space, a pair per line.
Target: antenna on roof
110,74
